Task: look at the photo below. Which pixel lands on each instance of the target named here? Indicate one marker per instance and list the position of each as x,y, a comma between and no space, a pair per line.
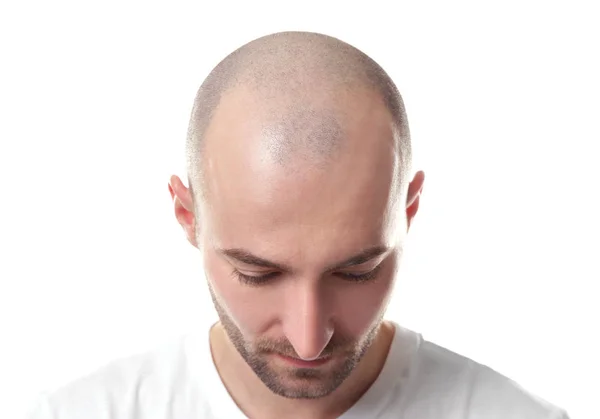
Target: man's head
299,199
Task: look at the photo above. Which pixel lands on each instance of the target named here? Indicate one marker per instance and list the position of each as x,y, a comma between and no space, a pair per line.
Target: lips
304,364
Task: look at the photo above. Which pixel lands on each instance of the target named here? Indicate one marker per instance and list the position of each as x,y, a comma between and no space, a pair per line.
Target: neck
245,387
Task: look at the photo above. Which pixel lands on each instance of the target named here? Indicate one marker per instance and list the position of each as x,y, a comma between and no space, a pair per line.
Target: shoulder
478,391
144,383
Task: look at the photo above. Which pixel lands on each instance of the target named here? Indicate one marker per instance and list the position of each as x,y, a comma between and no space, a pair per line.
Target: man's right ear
184,208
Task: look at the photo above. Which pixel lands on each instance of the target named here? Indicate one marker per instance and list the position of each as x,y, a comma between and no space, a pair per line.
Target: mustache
285,348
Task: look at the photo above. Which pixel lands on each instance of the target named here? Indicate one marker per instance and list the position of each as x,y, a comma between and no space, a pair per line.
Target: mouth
300,363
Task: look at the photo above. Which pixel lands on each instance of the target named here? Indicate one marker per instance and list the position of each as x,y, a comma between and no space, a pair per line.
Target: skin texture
305,184
298,76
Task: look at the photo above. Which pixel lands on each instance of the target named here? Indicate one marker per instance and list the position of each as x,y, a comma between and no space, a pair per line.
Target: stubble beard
309,383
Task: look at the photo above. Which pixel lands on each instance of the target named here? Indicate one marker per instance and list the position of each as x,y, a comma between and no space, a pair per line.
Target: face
301,260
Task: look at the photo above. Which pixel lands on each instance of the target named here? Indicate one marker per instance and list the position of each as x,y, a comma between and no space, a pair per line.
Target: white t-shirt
419,380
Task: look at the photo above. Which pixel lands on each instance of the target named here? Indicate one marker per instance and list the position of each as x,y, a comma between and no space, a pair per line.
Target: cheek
361,306
250,309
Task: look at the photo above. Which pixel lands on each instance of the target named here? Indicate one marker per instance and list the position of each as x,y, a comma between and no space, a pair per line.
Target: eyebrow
244,256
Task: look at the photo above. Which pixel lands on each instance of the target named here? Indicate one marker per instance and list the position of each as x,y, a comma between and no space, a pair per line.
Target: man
300,199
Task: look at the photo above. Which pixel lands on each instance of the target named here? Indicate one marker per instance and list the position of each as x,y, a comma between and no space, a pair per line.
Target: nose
307,321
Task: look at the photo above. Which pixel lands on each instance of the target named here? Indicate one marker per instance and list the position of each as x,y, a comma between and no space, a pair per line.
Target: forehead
255,194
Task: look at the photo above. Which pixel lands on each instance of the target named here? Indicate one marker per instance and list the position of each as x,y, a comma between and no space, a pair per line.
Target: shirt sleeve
559,414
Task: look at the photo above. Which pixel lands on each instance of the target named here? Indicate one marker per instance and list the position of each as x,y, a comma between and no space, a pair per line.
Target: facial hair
313,383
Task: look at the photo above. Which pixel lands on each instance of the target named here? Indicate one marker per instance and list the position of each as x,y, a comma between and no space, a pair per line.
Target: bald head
299,92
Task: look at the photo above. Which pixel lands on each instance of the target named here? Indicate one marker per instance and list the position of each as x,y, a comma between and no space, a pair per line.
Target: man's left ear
415,188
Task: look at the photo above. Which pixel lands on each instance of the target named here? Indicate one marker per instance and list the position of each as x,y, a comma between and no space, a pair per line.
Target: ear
415,188
184,208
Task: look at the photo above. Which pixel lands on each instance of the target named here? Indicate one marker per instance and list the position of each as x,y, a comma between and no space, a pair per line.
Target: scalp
301,83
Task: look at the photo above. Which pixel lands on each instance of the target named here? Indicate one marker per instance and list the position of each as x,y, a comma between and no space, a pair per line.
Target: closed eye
360,277
256,280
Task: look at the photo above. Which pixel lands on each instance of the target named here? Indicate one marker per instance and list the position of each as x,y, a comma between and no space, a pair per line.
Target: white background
503,102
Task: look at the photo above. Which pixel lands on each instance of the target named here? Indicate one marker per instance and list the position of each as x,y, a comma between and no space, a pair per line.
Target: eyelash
262,279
